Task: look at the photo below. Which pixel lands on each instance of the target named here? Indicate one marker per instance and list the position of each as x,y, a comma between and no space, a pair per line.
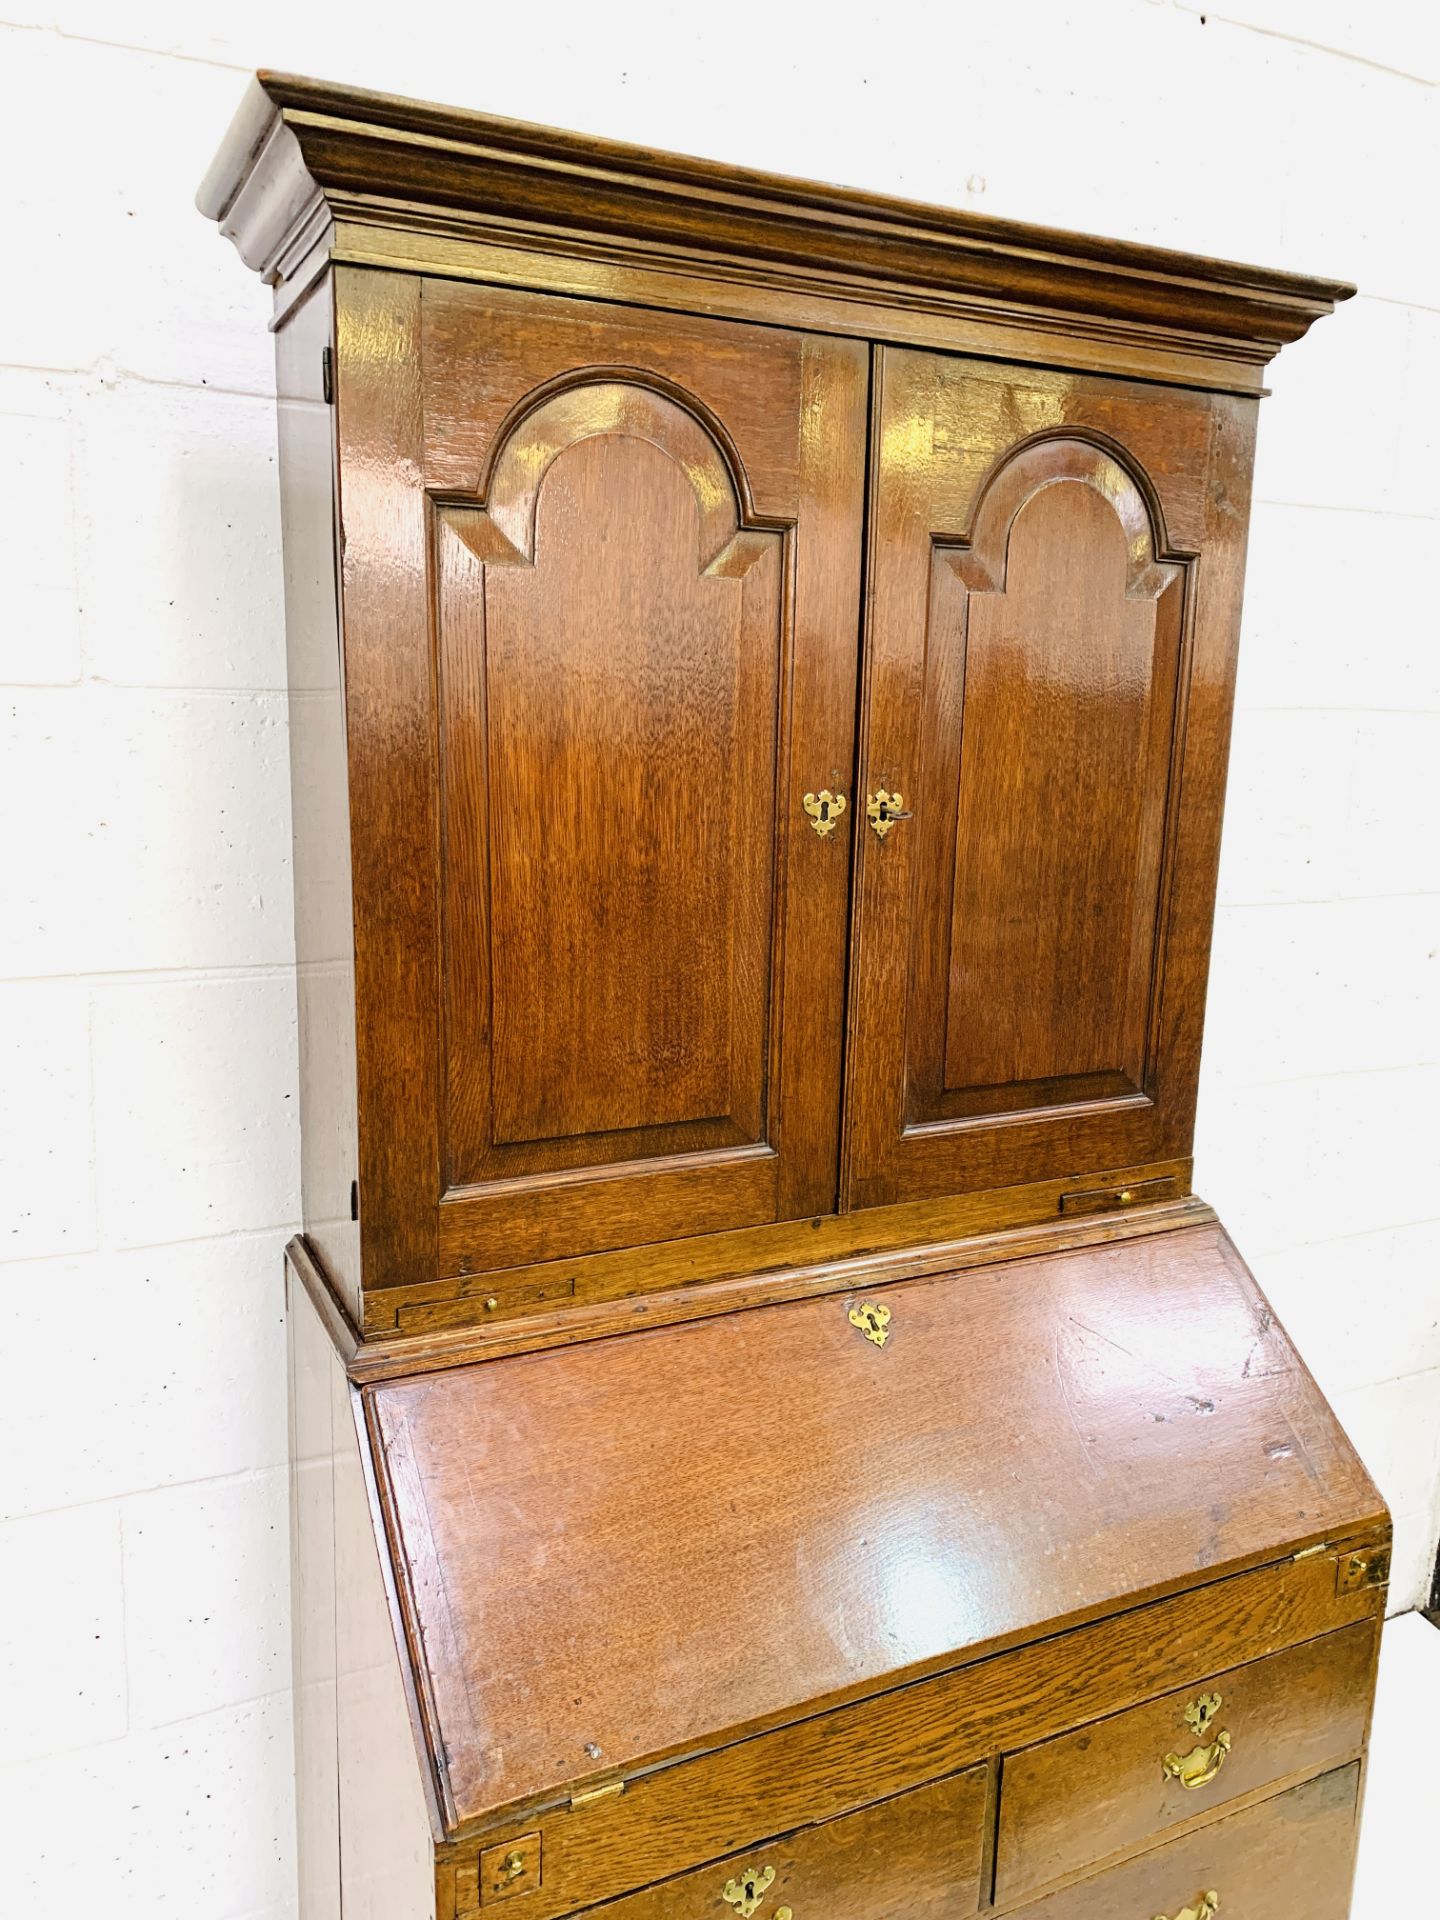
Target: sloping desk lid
613,1552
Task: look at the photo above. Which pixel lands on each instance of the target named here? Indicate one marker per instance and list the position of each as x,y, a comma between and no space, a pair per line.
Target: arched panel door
641,554
1037,872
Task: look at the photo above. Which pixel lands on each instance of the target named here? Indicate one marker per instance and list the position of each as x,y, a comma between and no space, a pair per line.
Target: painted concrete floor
1400,1838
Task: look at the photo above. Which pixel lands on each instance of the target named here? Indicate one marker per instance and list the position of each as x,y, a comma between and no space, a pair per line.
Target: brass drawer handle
1198,1767
1204,1907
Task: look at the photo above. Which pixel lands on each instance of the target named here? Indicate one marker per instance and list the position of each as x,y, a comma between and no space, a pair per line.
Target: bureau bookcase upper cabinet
1054,578
603,631
602,596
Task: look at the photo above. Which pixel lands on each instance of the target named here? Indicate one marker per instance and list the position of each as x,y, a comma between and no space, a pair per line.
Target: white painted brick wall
147,1142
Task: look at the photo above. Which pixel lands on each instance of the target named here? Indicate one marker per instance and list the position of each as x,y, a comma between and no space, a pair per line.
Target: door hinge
354,1199
327,375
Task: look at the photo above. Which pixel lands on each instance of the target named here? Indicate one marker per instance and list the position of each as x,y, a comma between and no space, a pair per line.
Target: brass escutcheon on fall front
873,1320
1204,1907
747,1890
824,809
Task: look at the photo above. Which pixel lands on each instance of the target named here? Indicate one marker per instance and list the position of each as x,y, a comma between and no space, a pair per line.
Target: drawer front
1118,1782
918,1853
1290,1858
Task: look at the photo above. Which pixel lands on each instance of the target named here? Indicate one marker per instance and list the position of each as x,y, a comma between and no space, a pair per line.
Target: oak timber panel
320,795
607,931
736,1795
1104,1790
1055,565
614,1521
304,150
1290,1858
1065,719
364,1831
918,1854
609,900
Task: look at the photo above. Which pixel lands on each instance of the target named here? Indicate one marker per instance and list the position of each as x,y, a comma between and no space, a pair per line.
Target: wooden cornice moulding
304,158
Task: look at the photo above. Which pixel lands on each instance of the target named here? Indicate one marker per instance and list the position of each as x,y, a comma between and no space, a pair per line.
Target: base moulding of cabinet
428,1349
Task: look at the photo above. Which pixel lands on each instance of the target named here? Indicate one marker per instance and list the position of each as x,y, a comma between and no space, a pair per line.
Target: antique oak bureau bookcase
774,1432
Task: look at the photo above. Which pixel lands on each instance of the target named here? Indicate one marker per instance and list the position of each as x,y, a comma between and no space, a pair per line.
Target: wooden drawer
1290,1858
917,1853
1112,1785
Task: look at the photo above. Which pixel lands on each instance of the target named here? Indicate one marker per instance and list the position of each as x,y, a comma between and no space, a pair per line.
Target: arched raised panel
613,647
1031,930
1047,772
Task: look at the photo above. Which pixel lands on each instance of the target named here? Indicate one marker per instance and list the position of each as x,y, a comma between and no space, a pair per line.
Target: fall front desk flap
617,1551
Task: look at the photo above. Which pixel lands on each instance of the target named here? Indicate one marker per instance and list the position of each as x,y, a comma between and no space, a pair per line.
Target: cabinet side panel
387,1867
312,1592
324,935
364,1828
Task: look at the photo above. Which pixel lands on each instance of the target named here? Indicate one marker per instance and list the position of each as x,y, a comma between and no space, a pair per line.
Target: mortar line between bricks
123,1496
112,377
125,46
1313,46
159,976
109,1249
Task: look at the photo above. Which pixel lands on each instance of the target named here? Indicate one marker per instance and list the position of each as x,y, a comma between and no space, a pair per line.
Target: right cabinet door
1055,571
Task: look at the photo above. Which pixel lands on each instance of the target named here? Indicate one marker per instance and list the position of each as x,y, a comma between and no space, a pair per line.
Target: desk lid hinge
587,1796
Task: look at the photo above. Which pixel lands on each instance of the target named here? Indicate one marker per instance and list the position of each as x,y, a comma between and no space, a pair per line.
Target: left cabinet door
601,583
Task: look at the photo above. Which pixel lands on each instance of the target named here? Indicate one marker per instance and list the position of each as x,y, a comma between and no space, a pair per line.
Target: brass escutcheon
1205,1906
1201,1712
747,1890
824,809
1199,1767
873,1320
883,809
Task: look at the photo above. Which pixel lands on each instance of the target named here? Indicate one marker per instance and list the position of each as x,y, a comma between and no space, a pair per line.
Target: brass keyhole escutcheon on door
883,809
747,1890
873,1320
824,809
1205,1906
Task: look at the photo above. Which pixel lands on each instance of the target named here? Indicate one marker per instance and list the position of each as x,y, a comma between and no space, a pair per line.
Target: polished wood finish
1049,689
353,1701
320,796
366,173
1104,1790
1291,1858
647,656
608,1518
594,931
601,564
739,1793
919,1853
765,1399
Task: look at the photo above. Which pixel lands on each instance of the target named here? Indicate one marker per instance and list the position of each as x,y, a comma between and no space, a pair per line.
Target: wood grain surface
1048,687
1290,1858
1104,1790
632,1547
919,1853
306,161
